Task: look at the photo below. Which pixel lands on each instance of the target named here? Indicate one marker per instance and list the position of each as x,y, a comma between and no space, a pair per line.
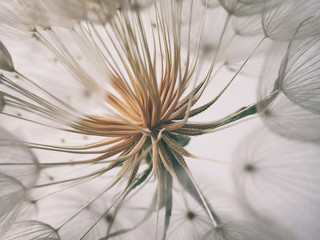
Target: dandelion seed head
106,108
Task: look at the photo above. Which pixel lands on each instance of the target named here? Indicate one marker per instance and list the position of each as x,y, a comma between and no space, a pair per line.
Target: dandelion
102,110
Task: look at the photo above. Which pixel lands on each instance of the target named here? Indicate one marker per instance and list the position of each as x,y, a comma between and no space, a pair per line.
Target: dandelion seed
280,180
23,165
31,230
247,231
301,86
282,22
12,196
5,59
296,105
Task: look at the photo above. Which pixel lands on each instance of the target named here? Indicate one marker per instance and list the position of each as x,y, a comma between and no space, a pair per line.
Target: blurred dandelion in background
160,119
